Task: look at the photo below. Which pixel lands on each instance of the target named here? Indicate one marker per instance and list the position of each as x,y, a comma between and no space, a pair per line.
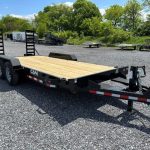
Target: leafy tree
106,29
132,15
56,17
91,26
84,9
148,17
2,26
41,29
143,29
114,14
119,36
9,23
147,3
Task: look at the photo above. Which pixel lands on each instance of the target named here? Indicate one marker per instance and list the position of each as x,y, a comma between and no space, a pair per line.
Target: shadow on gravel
64,107
126,49
91,47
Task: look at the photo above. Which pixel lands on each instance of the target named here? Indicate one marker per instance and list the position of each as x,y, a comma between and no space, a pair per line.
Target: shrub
144,29
119,36
66,34
79,40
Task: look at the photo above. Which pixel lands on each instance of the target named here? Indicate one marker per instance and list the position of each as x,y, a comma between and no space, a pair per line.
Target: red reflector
92,92
140,99
107,94
124,97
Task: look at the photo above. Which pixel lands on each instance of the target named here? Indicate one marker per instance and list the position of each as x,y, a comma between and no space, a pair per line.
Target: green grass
79,40
132,40
137,40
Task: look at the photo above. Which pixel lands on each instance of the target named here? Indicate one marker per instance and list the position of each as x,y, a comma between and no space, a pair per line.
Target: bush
91,26
79,40
144,29
119,36
138,39
66,34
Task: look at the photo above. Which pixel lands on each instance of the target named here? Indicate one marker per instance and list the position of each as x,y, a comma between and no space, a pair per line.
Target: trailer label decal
34,72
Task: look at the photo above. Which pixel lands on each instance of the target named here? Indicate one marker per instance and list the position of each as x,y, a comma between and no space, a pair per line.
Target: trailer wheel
2,70
11,75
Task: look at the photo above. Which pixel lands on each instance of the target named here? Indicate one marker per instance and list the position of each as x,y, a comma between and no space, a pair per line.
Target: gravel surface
33,117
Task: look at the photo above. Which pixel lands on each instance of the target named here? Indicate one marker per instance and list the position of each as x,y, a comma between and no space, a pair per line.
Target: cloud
144,14
68,4
28,17
102,11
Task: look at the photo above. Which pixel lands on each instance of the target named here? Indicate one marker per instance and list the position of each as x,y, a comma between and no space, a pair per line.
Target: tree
56,17
106,29
119,36
132,15
91,26
2,26
148,18
84,9
143,29
9,23
41,29
147,3
114,14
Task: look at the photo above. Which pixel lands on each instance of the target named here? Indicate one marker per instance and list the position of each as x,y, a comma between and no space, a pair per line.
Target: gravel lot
33,117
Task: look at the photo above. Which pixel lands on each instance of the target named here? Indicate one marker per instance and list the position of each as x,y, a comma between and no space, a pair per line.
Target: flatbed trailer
64,71
92,44
127,46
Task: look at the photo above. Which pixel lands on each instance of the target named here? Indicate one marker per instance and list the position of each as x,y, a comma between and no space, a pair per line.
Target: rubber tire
14,76
2,68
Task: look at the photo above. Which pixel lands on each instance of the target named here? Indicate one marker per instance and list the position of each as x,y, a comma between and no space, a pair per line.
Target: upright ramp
30,43
2,52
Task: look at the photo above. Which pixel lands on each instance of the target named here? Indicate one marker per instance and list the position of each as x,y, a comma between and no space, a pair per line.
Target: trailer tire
2,70
11,75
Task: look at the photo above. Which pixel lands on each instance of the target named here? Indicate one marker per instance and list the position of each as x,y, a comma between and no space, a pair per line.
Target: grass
79,40
137,40
132,40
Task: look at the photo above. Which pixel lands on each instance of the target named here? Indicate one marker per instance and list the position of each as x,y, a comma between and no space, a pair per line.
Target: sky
27,8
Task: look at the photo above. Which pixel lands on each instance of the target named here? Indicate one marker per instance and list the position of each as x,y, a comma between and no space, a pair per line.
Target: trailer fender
14,61
63,56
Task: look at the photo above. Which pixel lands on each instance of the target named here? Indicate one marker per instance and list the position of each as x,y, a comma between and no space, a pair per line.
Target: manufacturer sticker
34,72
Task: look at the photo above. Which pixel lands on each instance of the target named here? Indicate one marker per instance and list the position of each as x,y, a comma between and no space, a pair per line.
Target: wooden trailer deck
62,68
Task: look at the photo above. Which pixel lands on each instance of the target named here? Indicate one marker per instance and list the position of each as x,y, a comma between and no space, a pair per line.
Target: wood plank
62,68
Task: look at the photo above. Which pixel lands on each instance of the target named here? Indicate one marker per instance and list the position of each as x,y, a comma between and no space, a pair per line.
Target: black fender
63,56
14,61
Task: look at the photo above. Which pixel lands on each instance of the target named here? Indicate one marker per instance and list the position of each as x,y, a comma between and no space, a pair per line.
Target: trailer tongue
64,71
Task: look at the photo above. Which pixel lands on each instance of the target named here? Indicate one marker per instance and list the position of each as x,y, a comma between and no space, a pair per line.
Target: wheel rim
1,71
8,74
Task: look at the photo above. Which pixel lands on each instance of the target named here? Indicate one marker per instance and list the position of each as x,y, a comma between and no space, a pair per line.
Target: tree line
84,20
